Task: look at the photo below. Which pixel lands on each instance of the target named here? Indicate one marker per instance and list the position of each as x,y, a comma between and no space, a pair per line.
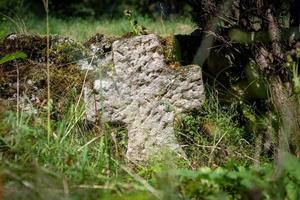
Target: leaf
292,165
13,56
292,190
188,174
232,175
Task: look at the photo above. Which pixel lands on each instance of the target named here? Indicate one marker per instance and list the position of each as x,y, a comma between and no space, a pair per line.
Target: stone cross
140,90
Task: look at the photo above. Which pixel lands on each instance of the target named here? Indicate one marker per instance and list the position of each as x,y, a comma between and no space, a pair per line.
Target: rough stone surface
138,89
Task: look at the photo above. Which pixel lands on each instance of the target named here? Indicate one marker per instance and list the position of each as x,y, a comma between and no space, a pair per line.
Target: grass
82,157
213,137
89,163
83,29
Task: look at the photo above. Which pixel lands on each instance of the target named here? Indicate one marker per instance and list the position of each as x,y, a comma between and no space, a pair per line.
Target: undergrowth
212,136
75,153
88,162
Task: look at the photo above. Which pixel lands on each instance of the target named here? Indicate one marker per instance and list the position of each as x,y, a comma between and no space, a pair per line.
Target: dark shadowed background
90,8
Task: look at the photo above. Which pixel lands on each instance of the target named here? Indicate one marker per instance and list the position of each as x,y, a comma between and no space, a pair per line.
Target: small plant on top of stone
137,29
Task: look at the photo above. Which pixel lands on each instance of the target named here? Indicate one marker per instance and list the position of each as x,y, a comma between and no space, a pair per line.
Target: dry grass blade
46,7
101,187
83,84
88,143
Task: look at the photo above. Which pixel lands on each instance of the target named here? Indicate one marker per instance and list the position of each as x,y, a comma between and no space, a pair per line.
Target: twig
18,98
46,6
84,80
102,187
215,146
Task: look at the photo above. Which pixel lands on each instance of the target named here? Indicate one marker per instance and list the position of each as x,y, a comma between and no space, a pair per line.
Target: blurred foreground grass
80,162
82,29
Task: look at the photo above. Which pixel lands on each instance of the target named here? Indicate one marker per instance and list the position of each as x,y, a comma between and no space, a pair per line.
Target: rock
141,91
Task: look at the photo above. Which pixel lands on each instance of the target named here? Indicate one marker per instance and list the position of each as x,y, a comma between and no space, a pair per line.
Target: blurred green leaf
188,174
237,35
13,56
290,164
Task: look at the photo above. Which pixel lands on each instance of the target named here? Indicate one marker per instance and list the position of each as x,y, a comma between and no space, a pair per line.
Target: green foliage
13,56
238,182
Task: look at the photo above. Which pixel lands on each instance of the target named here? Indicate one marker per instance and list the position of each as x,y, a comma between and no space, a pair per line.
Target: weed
137,29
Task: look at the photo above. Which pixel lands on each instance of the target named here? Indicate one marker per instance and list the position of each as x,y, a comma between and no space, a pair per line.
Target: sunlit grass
82,29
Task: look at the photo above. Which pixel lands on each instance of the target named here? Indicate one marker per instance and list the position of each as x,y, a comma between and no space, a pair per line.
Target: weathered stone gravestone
139,89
